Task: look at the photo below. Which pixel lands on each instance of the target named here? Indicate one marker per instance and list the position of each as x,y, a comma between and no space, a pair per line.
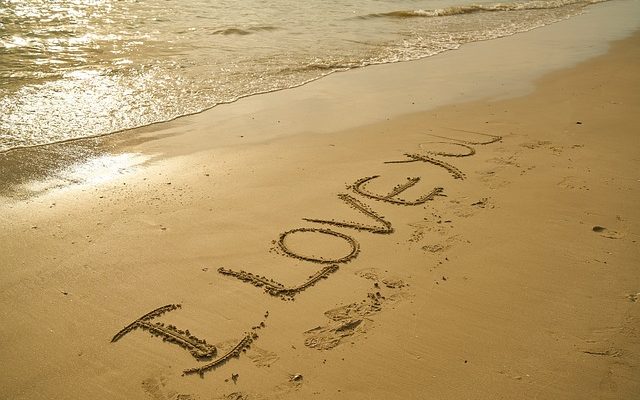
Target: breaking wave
476,8
244,31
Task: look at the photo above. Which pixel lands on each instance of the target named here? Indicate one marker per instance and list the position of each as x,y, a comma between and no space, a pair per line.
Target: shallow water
80,68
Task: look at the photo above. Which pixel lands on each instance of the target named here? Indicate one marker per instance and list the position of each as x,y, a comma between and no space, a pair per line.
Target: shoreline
624,27
470,73
517,280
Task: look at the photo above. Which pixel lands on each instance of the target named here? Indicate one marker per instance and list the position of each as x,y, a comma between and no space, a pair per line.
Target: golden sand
478,250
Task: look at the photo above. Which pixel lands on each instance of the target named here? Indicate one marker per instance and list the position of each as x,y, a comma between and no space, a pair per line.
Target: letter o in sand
355,247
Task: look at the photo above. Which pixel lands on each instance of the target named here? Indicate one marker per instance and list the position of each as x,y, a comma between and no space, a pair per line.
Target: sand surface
485,249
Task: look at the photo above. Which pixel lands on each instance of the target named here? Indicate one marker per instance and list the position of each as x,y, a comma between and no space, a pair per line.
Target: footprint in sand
434,248
441,246
234,396
573,182
465,207
609,234
157,390
346,321
261,357
492,180
557,150
354,319
510,161
535,145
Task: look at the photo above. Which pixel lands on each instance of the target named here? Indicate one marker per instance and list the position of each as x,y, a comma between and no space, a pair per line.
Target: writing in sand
354,197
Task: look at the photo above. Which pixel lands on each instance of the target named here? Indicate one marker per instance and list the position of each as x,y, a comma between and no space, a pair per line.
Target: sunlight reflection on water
104,168
92,171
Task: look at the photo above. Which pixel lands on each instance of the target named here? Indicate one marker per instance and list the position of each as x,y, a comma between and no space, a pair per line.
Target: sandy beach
459,227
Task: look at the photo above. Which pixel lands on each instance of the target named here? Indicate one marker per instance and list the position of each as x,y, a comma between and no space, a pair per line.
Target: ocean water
79,68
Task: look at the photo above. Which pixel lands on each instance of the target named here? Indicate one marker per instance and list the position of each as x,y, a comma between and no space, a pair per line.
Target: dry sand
507,268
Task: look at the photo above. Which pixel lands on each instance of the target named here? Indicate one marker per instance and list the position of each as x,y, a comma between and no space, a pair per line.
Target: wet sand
485,248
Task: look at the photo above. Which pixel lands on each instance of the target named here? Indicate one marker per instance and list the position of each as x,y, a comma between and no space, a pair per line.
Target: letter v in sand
384,226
